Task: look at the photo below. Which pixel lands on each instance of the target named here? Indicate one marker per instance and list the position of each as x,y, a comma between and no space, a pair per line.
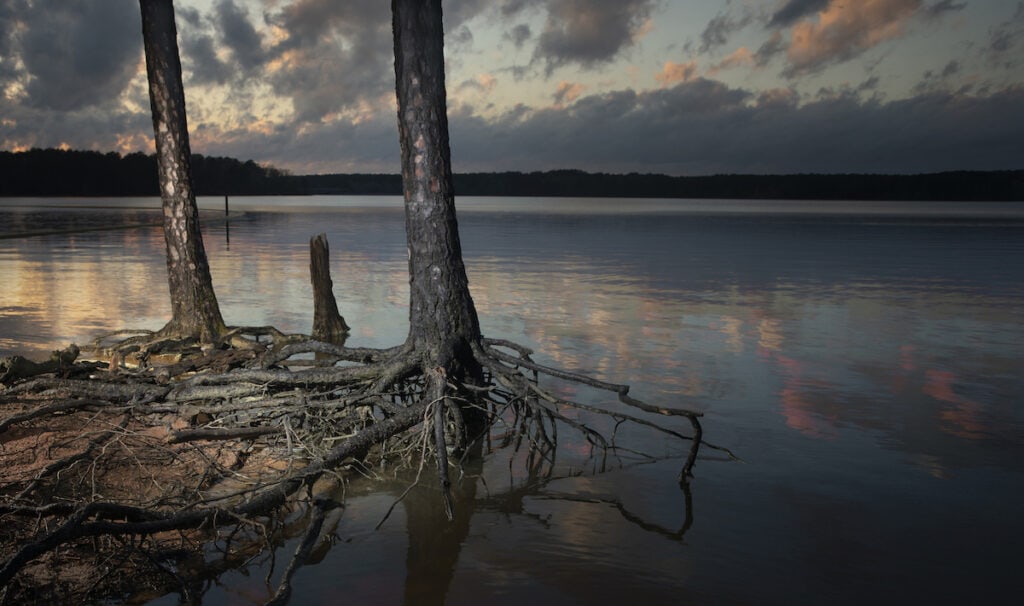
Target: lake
863,360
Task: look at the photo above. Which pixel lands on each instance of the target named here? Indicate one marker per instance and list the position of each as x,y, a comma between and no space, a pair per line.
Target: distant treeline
56,172
52,172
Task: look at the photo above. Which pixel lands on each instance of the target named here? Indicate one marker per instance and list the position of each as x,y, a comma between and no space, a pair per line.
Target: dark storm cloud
794,10
199,38
79,53
589,32
705,127
11,14
200,60
333,147
239,35
336,55
10,23
96,128
309,23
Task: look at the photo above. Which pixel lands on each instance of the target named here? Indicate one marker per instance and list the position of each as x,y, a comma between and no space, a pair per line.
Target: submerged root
217,442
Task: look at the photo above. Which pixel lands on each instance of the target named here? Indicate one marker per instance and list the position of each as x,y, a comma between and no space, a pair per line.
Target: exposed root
218,441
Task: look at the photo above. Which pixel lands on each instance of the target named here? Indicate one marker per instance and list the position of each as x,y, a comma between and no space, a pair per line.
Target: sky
680,87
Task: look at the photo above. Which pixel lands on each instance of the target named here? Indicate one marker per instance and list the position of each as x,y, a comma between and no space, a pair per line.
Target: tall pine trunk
194,308
442,318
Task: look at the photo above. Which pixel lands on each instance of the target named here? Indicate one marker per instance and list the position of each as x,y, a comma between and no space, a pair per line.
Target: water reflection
433,548
867,368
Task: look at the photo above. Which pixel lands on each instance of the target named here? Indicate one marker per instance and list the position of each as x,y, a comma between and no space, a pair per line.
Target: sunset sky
679,87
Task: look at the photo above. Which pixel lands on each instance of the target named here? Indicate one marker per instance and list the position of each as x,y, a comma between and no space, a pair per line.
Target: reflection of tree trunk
194,308
435,543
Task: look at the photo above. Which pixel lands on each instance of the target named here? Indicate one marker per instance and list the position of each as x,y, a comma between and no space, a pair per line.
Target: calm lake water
863,359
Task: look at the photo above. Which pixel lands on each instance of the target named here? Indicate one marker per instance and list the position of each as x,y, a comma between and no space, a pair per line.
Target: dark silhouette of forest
54,173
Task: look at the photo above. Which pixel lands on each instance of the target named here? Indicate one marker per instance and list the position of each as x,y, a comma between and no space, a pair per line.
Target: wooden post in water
328,325
227,223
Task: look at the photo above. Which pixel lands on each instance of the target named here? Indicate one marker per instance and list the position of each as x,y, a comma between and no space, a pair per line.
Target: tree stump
328,325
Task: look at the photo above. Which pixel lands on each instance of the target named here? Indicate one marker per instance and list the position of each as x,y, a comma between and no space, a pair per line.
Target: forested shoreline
58,173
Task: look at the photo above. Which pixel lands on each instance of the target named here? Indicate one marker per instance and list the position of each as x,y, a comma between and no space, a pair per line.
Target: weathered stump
328,325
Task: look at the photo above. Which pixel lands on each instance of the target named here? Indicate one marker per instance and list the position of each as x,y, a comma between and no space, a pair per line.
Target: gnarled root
227,438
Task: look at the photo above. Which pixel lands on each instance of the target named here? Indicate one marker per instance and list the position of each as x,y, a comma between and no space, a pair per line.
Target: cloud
931,80
705,127
774,45
199,57
590,32
716,33
77,53
11,23
457,12
1005,40
331,57
845,30
672,73
940,8
484,83
102,129
741,57
519,34
487,82
567,92
324,70
510,8
794,10
12,15
239,35
332,147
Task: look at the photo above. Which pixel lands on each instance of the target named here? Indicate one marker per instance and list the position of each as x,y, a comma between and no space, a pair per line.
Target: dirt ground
113,455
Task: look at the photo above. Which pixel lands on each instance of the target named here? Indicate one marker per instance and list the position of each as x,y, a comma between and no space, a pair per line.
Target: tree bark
194,308
328,324
442,318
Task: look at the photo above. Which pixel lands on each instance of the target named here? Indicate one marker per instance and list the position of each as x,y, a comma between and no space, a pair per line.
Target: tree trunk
328,325
194,308
442,318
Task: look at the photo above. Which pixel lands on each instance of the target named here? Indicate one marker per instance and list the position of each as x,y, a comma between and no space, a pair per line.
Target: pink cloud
672,73
741,57
567,92
845,29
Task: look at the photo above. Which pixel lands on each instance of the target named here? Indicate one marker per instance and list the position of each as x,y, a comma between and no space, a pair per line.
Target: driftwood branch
16,368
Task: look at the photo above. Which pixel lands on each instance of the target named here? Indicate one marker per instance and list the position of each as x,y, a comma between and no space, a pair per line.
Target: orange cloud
676,72
738,58
568,92
845,29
